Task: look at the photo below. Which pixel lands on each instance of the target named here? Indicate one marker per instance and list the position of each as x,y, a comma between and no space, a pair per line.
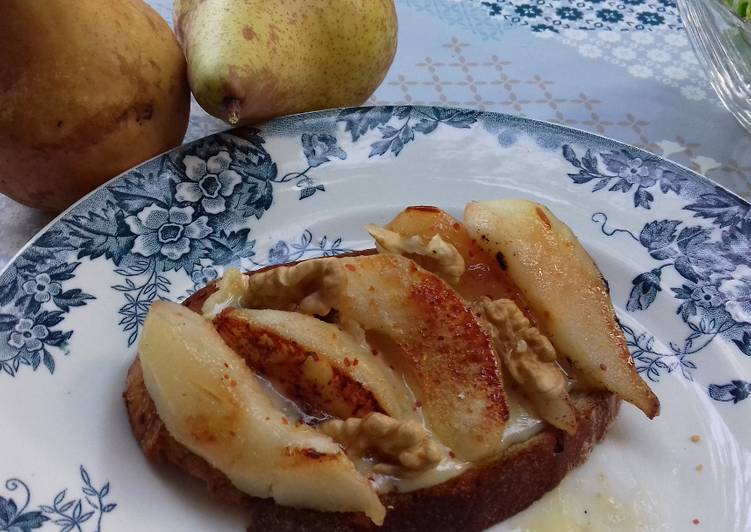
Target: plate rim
325,113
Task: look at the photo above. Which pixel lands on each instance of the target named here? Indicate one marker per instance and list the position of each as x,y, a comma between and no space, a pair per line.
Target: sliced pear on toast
315,363
564,289
446,356
485,280
212,403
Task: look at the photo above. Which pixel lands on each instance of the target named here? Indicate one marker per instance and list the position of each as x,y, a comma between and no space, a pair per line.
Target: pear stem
233,108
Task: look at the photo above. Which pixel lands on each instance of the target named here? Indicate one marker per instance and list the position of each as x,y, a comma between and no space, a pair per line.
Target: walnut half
530,359
309,287
449,263
399,446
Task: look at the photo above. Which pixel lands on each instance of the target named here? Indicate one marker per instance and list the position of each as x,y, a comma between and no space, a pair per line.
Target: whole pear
88,89
250,60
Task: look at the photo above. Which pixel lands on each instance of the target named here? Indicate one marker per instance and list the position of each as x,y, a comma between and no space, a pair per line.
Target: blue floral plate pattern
674,247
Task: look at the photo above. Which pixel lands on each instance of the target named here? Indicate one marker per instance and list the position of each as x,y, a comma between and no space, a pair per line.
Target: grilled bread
433,306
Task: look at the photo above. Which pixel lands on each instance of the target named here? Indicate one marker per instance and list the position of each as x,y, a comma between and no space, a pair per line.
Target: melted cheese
231,289
522,423
446,469
521,426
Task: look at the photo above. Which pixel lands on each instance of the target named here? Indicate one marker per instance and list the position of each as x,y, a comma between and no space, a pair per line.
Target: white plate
675,248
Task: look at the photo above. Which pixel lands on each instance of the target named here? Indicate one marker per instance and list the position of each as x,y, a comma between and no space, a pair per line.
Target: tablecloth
619,68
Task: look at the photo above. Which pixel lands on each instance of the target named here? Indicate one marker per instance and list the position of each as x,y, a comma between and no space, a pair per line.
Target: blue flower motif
737,293
65,514
28,336
569,13
744,343
625,15
720,206
14,519
319,148
650,18
737,242
633,170
494,9
528,10
707,296
203,275
539,28
644,291
609,15
168,233
279,253
306,246
210,181
700,259
508,137
735,391
42,288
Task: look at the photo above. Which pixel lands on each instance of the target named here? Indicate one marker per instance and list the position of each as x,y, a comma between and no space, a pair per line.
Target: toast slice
479,498
447,324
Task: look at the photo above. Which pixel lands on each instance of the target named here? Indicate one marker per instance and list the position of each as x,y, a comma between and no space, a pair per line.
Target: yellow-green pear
88,89
250,60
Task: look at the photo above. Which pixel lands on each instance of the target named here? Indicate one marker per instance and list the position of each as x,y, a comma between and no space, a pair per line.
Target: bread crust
479,498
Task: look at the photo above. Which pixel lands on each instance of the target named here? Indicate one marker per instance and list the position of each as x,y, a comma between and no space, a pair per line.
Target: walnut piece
530,352
398,445
309,287
530,359
449,262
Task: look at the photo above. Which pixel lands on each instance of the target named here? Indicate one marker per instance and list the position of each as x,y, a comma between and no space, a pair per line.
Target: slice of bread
479,498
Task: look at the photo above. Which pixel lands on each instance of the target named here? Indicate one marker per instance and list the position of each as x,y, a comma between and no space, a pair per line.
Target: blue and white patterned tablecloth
620,68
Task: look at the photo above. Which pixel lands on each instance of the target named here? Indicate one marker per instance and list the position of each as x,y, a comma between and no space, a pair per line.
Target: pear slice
446,356
482,276
433,337
564,289
485,284
315,363
212,403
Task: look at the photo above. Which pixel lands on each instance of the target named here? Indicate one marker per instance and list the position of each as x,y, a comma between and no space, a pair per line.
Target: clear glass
722,43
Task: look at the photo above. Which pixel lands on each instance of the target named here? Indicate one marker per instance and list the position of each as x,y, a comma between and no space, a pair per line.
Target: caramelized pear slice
446,356
212,403
541,380
565,291
315,363
483,275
